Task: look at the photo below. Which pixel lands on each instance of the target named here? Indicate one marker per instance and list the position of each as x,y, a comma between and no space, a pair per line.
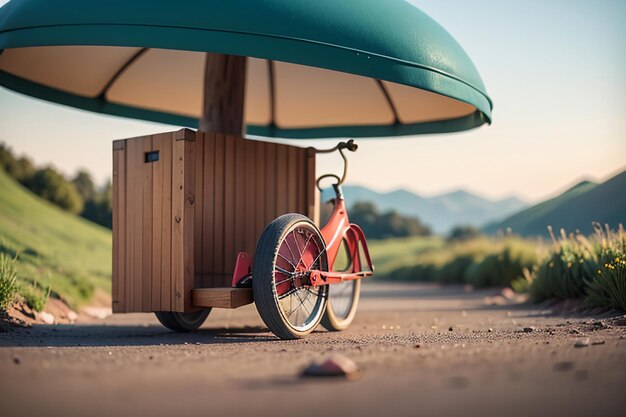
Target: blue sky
555,71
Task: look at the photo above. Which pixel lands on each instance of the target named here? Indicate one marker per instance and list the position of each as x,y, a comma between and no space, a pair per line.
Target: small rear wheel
343,300
183,322
288,249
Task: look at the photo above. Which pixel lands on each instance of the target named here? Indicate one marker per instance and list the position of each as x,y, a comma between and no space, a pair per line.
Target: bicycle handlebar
349,145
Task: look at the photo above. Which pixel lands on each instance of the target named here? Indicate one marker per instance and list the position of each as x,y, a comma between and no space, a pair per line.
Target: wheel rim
300,250
341,299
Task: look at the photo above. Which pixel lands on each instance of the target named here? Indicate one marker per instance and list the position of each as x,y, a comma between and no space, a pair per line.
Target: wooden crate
180,220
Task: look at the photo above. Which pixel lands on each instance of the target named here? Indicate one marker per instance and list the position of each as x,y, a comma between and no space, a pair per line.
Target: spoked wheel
183,322
343,300
289,247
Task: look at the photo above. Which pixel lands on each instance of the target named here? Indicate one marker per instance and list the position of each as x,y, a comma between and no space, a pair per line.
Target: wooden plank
158,185
240,197
119,227
225,297
198,216
219,227
313,203
302,181
135,150
146,236
292,180
208,201
282,180
229,207
166,158
189,221
178,208
260,190
250,198
270,182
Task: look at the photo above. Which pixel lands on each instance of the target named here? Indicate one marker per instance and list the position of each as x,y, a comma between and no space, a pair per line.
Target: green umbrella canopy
324,68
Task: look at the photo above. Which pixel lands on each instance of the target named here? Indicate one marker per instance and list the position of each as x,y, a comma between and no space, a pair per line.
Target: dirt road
421,349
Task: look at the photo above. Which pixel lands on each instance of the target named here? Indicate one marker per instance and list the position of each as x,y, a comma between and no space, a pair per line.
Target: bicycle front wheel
289,247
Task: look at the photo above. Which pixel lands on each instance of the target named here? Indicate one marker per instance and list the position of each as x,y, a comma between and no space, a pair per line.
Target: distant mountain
575,209
441,212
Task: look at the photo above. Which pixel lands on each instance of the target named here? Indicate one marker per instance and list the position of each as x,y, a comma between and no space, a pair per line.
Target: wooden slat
302,181
135,149
207,209
250,198
225,297
282,180
260,175
119,226
166,158
218,240
313,203
241,171
146,237
158,180
292,177
189,220
229,207
178,208
270,182
198,217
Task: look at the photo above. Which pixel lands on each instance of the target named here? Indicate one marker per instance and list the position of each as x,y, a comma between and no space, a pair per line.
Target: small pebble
417,346
490,330
597,342
529,329
582,343
16,361
335,366
450,329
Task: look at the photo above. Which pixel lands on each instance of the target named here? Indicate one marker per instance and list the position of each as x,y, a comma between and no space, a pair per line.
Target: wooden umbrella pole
224,91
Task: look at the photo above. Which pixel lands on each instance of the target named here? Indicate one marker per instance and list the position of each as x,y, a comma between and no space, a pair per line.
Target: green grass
592,268
8,281
481,261
390,254
73,254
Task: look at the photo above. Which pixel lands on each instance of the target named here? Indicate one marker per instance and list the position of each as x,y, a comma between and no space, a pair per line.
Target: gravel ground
421,350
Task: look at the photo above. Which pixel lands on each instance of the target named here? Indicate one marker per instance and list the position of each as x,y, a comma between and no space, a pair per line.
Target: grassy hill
575,209
391,254
54,248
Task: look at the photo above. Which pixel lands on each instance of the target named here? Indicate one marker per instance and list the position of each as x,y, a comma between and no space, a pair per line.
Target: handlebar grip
349,145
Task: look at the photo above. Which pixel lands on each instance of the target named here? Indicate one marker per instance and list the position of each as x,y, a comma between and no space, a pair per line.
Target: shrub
608,287
584,267
49,184
35,296
8,281
504,266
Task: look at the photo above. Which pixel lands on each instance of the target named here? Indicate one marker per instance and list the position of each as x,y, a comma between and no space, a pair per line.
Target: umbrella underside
280,94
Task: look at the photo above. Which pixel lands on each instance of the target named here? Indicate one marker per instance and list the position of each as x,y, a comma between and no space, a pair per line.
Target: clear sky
556,71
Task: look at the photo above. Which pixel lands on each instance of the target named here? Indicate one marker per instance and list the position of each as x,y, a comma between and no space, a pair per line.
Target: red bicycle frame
337,231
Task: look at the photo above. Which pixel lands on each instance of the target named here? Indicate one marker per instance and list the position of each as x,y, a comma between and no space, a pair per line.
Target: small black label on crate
152,156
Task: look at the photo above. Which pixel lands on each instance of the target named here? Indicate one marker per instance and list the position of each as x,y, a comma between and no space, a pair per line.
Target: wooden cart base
186,203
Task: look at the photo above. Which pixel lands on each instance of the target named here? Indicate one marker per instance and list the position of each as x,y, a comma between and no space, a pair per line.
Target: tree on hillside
390,224
100,209
84,185
465,232
49,184
22,169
